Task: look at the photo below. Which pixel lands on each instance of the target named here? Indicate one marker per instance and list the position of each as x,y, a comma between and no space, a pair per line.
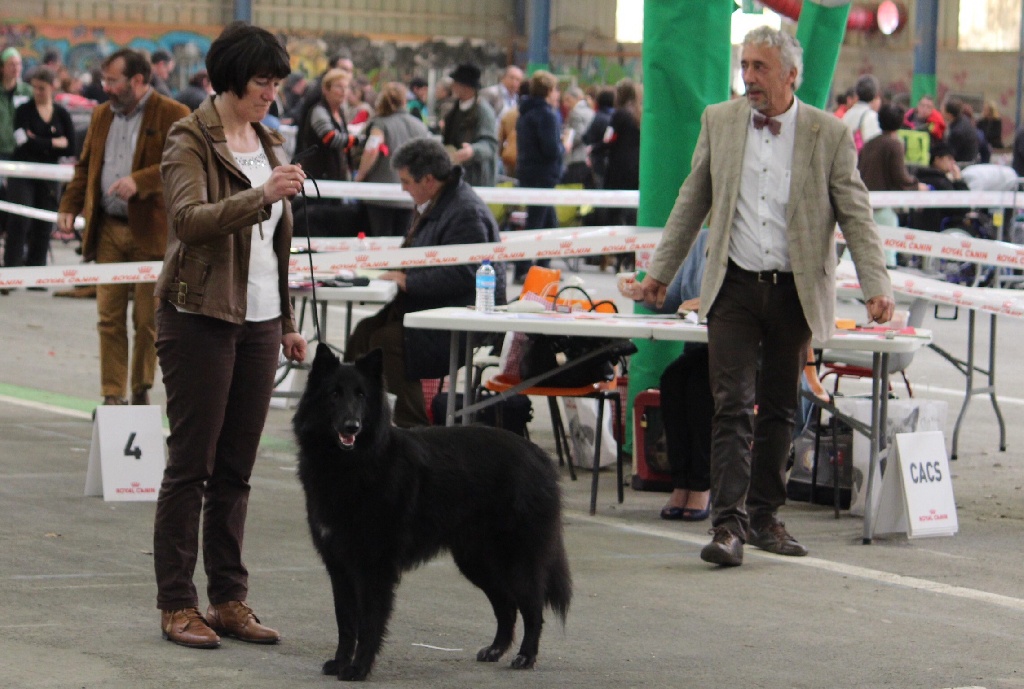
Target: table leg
467,396
992,381
453,371
348,323
879,406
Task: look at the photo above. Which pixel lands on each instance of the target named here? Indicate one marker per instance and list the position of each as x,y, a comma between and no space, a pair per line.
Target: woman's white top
263,300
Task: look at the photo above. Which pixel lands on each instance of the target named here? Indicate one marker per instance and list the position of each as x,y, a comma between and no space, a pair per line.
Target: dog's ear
325,360
372,363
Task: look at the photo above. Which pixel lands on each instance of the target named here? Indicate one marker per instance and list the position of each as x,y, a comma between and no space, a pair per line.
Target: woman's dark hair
890,117
42,73
423,157
605,98
241,52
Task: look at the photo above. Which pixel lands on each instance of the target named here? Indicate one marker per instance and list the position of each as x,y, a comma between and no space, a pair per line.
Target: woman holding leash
223,316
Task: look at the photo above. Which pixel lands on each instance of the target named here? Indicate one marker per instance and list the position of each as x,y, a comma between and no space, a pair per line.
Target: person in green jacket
13,92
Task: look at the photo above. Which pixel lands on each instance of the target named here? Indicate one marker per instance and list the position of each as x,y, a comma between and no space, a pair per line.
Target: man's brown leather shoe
140,398
236,619
774,538
725,548
188,628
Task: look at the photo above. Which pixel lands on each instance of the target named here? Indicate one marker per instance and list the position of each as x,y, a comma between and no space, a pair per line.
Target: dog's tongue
346,439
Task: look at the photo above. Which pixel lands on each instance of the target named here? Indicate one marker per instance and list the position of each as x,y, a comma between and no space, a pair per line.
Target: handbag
541,353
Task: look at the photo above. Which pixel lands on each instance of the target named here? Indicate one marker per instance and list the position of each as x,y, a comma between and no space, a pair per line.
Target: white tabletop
633,327
379,291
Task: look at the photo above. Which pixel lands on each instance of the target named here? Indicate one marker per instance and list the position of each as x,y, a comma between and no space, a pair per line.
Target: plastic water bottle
486,284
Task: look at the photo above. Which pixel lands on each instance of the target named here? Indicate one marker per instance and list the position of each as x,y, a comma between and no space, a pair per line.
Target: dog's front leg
376,603
345,607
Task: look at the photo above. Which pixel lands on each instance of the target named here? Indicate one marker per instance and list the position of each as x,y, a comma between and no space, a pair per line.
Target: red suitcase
651,469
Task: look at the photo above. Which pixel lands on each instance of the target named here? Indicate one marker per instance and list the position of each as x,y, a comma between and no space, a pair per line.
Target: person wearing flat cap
469,129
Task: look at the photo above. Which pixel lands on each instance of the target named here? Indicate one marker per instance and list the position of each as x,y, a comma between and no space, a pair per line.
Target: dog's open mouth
347,440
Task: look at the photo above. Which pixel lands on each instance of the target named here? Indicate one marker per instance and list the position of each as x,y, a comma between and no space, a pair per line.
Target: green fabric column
686,68
820,31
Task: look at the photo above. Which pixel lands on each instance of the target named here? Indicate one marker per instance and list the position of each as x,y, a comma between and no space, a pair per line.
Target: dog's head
345,400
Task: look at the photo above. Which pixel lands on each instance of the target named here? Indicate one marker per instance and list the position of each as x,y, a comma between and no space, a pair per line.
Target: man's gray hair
575,91
867,88
790,51
421,157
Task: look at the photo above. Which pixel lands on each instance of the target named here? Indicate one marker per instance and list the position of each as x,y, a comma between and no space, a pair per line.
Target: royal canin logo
957,294
70,273
362,257
909,236
632,239
145,270
499,249
431,254
965,244
565,245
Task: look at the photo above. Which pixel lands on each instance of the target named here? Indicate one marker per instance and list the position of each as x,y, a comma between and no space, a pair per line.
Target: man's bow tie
760,122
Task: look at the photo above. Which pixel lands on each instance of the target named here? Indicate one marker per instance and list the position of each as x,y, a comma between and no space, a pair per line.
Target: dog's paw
353,673
489,654
330,667
521,662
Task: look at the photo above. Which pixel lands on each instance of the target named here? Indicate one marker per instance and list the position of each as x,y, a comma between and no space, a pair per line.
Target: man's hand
463,154
396,276
880,309
653,291
123,188
294,347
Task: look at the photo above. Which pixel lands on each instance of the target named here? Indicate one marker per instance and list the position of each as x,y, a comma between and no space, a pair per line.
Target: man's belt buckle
771,276
182,293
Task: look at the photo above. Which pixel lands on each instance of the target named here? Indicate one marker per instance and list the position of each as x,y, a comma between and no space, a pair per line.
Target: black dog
382,500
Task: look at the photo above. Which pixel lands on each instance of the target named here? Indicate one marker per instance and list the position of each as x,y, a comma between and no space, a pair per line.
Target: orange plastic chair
599,391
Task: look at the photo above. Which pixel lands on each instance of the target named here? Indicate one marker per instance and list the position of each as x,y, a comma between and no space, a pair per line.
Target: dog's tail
558,595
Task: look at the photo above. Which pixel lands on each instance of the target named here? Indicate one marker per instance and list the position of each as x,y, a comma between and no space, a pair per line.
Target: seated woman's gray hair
423,157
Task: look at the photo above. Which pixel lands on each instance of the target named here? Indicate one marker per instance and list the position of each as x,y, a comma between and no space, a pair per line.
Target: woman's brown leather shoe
236,619
188,628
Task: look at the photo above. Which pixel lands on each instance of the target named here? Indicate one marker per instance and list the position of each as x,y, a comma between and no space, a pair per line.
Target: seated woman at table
686,396
447,211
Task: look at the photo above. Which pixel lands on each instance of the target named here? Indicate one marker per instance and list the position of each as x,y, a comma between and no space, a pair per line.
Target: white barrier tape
560,197
552,244
328,244
622,240
370,191
943,199
949,246
999,302
37,214
82,274
47,171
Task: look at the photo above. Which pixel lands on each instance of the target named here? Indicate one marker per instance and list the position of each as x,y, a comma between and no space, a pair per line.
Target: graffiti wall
84,47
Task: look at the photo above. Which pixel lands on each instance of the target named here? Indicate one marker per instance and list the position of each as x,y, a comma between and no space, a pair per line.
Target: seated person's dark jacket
457,217
931,218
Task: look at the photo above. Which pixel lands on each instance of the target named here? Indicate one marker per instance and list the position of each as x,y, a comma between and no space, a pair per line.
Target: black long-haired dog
382,500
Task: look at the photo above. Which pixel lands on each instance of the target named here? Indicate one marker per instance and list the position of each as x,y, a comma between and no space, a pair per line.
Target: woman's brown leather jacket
213,211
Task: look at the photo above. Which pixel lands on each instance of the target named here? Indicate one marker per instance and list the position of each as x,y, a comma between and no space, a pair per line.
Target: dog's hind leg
531,604
345,617
505,613
502,602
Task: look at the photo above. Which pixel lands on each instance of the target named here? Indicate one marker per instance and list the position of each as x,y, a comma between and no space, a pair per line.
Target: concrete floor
77,596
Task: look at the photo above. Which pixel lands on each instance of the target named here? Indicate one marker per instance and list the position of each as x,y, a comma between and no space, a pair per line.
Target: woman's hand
285,182
294,346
